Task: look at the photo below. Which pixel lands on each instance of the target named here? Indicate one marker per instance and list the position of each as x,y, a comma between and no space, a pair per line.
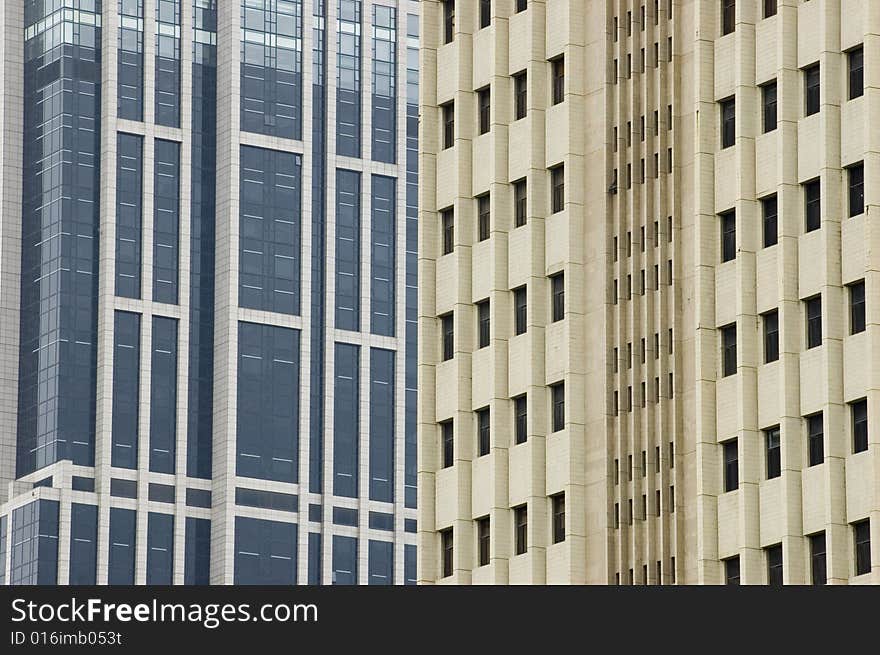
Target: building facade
208,286
649,295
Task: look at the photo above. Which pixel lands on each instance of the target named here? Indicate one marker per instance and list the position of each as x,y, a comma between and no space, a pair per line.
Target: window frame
730,458
521,529
773,452
484,109
728,350
769,116
812,76
727,108
557,297
484,431
815,439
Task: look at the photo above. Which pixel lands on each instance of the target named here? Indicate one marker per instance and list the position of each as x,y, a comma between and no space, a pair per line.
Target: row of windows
485,16
520,424
520,534
631,516
773,556
520,316
812,96
812,334
643,348
642,128
642,20
670,453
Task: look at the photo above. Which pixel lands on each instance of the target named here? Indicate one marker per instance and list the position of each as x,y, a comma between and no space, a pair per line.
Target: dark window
856,178
728,350
483,321
520,310
447,327
557,184
483,540
520,95
557,392
728,122
856,63
483,215
558,78
728,16
483,102
557,283
519,203
728,236
521,5
558,517
448,25
446,544
483,431
521,529
731,570
769,8
447,219
485,13
448,124
818,568
520,419
774,565
811,90
774,452
814,321
857,307
812,205
731,465
769,214
768,102
447,435
771,336
815,439
862,539
859,411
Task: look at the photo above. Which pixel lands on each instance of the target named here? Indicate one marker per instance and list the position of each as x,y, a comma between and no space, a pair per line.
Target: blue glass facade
168,62
267,439
383,261
160,548
130,67
345,561
83,544
348,249
34,544
197,552
381,562
348,78
163,396
382,425
384,115
126,389
166,219
129,213
271,67
270,223
346,420
265,552
59,248
123,532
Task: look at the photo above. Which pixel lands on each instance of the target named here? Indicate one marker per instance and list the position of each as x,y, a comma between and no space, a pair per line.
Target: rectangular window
558,79
83,545
483,323
163,396
731,465
728,16
383,255
859,410
774,565
447,327
348,249
384,88
520,95
769,214
856,178
521,529
483,540
856,63
818,567
485,13
558,502
520,419
557,284
519,203
346,419
728,236
774,452
448,32
557,186
447,220
857,307
521,5
768,106
483,431
382,388
862,541
447,436
728,350
483,216
126,386
771,336
483,103
731,571
812,205
811,90
197,552
769,8
728,122
815,439
122,546
160,548
557,393
520,310
448,124
166,218
380,562
813,308
446,543
129,214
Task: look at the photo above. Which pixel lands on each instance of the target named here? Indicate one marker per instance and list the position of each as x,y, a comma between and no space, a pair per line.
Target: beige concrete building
650,292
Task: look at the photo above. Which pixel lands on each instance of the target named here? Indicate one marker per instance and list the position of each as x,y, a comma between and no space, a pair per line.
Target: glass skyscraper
208,299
